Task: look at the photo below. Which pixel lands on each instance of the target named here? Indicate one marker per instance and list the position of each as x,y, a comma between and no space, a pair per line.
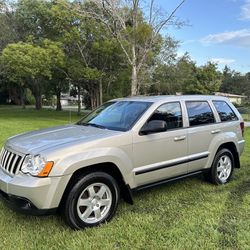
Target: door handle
215,131
180,138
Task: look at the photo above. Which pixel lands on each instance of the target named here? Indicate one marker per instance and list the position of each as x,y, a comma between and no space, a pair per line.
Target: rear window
225,112
199,113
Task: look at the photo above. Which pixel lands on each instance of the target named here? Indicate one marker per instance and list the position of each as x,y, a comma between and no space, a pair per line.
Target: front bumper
24,205
30,193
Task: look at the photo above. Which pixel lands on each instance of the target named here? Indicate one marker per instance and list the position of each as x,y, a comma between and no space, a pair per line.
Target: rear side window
170,113
199,113
225,112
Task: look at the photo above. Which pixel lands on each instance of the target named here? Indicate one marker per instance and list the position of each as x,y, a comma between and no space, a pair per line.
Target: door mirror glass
154,126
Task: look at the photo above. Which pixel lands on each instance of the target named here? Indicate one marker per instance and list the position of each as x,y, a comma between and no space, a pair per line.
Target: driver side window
170,113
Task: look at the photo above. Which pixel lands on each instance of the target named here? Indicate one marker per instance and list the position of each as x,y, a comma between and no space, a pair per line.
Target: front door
161,155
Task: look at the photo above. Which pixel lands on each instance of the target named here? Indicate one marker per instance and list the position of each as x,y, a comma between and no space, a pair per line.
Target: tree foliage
207,80
135,27
102,49
26,60
27,63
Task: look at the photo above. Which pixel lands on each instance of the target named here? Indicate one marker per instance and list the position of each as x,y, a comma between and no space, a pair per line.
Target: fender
73,162
217,142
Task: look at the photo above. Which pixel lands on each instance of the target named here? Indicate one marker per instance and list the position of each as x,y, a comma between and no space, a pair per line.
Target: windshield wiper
93,125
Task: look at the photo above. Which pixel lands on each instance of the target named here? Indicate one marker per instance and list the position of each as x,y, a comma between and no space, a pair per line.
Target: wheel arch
106,167
232,147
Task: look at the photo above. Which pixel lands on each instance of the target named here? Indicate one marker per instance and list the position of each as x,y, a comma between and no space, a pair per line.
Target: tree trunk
36,90
58,100
79,99
100,92
134,83
92,101
94,97
38,98
22,97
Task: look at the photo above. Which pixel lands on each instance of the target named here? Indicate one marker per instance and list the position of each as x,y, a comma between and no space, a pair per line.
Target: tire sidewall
221,153
71,204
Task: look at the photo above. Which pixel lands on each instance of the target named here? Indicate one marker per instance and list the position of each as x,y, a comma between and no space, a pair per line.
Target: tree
9,34
33,18
136,34
28,63
246,89
173,74
84,40
207,80
58,84
8,24
234,82
78,36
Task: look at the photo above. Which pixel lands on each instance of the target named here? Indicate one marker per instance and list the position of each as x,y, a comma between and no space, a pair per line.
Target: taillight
242,126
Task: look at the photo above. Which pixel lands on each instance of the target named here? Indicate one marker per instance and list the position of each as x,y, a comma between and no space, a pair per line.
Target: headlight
36,165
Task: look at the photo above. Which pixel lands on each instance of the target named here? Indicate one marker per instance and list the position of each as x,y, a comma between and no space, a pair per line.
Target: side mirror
153,126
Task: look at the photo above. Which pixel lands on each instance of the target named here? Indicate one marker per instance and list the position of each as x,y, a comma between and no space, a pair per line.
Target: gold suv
123,146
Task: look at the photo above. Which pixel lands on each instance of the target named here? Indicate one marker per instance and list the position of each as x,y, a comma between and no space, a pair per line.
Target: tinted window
119,115
199,113
224,111
170,113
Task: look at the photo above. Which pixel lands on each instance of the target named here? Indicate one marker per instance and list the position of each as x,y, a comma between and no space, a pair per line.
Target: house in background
232,97
67,100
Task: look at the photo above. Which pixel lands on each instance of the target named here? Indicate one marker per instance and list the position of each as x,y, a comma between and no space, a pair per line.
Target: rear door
202,129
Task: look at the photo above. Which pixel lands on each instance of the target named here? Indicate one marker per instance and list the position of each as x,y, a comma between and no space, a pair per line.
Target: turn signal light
46,170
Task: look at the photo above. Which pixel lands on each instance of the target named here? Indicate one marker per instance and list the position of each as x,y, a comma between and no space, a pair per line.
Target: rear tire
222,167
91,201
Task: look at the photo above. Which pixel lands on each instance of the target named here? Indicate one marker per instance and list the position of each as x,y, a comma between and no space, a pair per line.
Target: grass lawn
246,117
188,214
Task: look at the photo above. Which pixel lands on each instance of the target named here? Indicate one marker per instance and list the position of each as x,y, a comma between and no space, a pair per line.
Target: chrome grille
10,162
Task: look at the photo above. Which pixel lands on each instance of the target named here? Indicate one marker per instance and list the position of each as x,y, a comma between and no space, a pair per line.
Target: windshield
120,115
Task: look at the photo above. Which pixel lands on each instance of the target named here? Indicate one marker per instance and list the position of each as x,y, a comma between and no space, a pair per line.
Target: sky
217,30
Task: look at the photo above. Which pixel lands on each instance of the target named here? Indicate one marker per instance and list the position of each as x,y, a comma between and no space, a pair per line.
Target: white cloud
245,10
222,60
239,38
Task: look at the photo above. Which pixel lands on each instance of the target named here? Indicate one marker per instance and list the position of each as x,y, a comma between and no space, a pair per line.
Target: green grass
246,117
188,214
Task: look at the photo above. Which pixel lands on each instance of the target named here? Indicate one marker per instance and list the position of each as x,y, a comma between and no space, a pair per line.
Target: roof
160,98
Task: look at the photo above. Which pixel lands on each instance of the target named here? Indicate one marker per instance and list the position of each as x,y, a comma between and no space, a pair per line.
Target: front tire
91,201
222,167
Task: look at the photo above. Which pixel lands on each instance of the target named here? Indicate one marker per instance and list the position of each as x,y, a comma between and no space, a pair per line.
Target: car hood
37,141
